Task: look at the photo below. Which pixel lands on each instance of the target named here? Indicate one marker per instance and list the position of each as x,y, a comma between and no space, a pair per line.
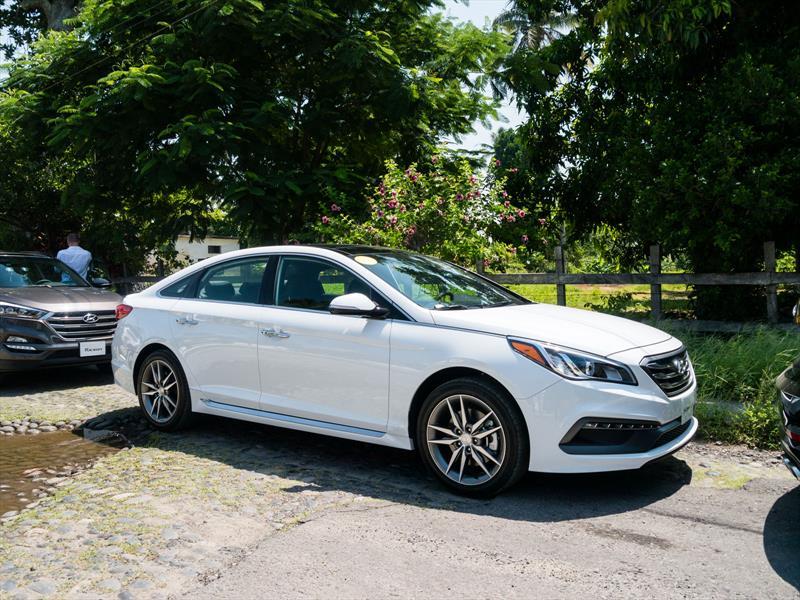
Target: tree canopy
266,110
673,120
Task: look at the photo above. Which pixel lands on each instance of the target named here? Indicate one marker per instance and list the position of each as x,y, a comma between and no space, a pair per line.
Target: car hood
61,299
592,332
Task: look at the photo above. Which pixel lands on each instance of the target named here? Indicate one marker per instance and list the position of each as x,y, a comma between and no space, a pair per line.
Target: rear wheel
163,392
472,437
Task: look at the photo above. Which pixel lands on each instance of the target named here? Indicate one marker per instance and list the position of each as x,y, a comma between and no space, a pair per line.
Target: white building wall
201,249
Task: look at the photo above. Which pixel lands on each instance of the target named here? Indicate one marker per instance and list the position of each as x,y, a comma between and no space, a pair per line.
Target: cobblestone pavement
230,509
59,395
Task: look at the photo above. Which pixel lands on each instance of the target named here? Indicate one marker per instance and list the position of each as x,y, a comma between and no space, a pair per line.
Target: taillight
795,437
123,310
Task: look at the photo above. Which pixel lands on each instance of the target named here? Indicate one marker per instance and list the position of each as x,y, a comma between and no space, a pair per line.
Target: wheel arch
142,356
439,377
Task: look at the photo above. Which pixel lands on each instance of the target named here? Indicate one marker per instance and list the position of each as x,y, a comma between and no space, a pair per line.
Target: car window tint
179,289
311,283
235,281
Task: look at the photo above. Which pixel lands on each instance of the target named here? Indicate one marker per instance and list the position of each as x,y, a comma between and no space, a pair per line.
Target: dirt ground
233,510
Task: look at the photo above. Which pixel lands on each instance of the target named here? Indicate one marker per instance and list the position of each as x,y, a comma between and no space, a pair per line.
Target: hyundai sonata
396,348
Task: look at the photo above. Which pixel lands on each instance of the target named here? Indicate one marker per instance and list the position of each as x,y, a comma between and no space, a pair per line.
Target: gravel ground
240,511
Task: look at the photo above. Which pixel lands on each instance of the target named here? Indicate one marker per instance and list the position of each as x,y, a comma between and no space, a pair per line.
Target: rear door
216,332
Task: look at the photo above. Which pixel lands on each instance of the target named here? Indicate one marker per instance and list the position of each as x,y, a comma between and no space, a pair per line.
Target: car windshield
436,284
34,271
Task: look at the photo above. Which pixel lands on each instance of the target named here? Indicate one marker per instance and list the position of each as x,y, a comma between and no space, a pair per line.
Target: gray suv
50,316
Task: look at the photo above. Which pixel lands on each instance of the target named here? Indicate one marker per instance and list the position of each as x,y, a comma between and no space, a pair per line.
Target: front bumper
789,409
62,354
554,414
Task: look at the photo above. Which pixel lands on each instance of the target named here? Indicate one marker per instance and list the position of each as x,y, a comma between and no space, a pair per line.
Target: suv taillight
123,310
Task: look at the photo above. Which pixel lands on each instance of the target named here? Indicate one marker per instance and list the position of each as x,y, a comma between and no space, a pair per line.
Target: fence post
479,266
561,289
655,288
772,290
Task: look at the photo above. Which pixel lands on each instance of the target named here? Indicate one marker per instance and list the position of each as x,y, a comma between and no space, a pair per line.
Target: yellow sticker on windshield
366,260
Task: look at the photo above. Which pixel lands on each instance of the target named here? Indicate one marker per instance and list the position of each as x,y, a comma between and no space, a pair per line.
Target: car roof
356,249
29,254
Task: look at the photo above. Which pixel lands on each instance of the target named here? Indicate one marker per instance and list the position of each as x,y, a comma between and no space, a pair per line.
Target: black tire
512,450
182,415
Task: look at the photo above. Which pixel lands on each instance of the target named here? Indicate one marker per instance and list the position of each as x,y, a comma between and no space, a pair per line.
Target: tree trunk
54,11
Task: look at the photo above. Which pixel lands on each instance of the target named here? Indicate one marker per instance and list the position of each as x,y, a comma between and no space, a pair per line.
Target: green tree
22,21
674,121
262,110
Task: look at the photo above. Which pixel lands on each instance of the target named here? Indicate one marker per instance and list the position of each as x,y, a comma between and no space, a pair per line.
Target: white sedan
396,348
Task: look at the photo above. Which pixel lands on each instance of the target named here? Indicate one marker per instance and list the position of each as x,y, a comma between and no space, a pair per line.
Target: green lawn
630,300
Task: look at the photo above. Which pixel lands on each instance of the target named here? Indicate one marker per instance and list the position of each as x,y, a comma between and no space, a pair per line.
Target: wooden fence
768,278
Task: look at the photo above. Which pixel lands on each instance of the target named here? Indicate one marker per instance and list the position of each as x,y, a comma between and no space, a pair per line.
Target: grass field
630,300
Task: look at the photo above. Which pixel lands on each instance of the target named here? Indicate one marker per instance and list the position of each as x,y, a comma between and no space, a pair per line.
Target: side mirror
101,282
357,305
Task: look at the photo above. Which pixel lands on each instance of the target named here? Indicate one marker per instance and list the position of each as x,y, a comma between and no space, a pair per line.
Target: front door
216,333
316,365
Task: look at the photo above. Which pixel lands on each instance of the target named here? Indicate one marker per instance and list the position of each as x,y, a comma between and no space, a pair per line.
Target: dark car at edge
788,384
50,316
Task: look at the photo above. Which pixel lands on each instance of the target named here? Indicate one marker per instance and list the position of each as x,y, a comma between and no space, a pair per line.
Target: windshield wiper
497,304
450,307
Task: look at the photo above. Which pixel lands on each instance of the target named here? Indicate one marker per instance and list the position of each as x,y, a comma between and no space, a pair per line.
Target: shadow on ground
782,537
51,380
325,463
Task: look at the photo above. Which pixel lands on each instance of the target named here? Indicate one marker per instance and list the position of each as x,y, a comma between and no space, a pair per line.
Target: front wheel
472,437
163,392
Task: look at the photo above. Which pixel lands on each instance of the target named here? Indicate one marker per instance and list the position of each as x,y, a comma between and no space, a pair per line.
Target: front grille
672,373
73,326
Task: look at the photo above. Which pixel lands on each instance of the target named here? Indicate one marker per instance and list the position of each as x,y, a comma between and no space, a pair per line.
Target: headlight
14,310
572,364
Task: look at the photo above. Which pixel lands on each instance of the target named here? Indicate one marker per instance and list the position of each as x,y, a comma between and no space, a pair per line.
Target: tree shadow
324,463
50,380
782,537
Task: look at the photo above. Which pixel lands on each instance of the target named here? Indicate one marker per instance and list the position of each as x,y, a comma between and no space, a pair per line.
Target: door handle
275,332
186,321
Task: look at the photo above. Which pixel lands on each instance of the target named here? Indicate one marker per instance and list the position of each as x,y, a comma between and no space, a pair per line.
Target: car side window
312,283
234,281
309,283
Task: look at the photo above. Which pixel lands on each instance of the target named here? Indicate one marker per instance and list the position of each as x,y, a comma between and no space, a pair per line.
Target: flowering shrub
445,210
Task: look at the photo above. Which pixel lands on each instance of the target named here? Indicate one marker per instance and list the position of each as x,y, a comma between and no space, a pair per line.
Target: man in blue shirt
76,257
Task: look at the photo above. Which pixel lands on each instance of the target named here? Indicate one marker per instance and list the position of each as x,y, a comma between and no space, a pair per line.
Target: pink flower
440,201
521,214
335,207
434,159
325,220
382,190
402,208
393,220
507,203
505,194
477,193
411,230
459,197
472,179
496,162
380,213
392,204
514,170
542,221
394,193
510,218
513,250
486,262
421,205
524,239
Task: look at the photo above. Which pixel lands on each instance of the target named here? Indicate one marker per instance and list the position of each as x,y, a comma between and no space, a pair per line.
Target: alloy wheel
466,439
159,391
